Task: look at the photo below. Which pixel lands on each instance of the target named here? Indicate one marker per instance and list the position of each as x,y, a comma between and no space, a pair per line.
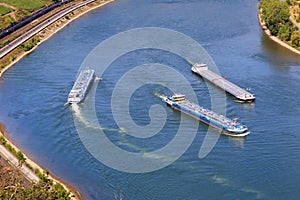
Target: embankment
275,39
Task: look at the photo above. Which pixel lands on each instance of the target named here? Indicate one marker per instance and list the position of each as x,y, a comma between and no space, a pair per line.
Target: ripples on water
262,166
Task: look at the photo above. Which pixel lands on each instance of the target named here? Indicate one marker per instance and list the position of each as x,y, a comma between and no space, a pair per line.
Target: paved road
12,159
15,43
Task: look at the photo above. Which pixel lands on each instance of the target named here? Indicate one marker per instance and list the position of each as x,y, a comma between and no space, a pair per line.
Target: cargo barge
227,126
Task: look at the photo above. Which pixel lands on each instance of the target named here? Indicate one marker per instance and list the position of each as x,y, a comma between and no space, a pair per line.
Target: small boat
81,86
227,126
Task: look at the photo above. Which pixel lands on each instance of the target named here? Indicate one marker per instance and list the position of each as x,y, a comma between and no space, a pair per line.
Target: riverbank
17,54
44,35
274,38
32,167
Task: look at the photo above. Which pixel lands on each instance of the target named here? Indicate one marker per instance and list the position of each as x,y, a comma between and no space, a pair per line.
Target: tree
20,157
276,14
296,39
285,31
13,186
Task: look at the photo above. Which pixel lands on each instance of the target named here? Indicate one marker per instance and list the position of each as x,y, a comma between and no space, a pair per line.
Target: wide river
264,165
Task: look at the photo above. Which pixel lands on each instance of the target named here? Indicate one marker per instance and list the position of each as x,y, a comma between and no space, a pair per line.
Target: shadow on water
276,54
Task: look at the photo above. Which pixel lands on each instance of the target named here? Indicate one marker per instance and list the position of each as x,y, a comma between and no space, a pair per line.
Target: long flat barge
227,126
81,86
239,93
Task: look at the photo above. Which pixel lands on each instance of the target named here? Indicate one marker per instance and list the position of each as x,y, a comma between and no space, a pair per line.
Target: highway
13,160
18,41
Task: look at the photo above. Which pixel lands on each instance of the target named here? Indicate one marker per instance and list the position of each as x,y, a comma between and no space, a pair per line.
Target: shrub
296,39
276,14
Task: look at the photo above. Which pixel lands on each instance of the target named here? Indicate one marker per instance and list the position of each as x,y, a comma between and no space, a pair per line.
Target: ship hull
207,121
239,98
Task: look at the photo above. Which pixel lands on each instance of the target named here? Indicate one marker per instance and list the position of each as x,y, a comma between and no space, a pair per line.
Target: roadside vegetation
14,186
277,16
27,46
12,11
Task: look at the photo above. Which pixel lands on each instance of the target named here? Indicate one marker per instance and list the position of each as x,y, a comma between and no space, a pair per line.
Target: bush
20,157
29,45
285,31
296,39
276,14
2,140
14,187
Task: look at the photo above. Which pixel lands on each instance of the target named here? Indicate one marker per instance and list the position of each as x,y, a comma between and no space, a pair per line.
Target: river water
265,165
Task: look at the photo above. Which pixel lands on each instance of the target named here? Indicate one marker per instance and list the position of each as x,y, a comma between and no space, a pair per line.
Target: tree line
13,185
276,15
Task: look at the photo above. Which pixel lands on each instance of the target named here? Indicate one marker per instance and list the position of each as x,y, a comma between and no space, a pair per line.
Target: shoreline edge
274,38
57,29
73,191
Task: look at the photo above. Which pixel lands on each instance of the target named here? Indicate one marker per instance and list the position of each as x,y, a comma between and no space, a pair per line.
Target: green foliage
286,31
23,8
276,14
13,187
20,157
12,57
38,172
295,39
29,166
6,21
4,10
29,45
11,149
43,177
39,191
59,192
21,14
18,154
2,140
29,5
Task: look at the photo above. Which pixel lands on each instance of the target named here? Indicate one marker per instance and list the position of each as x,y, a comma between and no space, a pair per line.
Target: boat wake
98,79
78,115
159,95
228,183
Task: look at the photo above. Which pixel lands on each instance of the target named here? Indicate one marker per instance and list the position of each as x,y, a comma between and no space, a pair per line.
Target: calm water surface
265,165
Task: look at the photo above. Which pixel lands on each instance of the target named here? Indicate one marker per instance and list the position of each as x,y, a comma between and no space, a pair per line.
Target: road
13,160
18,41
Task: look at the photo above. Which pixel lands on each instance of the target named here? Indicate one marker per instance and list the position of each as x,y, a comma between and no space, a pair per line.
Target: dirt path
8,6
